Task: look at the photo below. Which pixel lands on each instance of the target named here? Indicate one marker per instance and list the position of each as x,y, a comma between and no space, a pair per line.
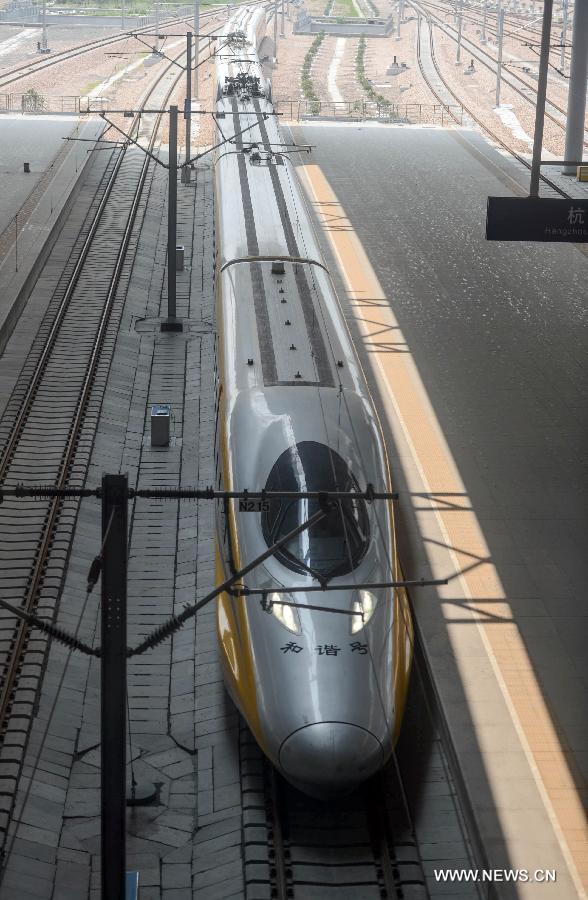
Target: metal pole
399,20
276,30
172,324
44,30
577,92
564,36
156,48
498,12
541,94
188,105
113,679
282,32
499,63
196,45
458,57
483,39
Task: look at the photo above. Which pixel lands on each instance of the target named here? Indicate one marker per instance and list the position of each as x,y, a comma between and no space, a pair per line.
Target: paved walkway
334,92
36,140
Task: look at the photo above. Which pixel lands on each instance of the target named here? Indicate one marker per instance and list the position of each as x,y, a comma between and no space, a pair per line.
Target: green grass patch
345,9
362,77
89,87
132,7
305,77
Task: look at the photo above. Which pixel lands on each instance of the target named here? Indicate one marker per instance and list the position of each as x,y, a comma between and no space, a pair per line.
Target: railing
32,102
408,113
20,12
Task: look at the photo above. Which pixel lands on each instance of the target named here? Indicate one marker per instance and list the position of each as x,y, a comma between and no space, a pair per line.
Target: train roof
286,318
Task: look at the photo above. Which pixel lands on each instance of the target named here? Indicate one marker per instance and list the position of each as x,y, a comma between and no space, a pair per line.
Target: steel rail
281,873
480,122
490,26
487,60
63,56
74,430
358,838
9,448
20,72
368,841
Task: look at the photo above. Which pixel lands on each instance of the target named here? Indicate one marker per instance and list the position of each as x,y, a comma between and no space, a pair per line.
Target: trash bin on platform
160,424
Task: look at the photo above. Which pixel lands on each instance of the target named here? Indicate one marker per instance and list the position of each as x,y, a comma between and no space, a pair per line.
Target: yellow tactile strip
401,386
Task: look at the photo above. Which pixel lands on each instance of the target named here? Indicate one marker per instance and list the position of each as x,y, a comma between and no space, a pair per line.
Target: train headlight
363,610
285,614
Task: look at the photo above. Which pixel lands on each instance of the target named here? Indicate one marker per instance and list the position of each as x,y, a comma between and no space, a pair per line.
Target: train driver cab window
337,543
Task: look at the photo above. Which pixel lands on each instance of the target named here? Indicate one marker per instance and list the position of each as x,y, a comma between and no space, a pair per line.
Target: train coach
322,691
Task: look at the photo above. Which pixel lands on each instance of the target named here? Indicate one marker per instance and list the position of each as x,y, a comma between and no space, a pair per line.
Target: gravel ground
516,54
58,39
80,75
478,90
380,52
291,50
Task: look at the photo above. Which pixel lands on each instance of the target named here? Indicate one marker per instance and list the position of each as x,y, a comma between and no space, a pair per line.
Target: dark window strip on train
313,328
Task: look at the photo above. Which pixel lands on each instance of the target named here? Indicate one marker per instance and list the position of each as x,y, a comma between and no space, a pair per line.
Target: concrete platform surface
42,199
36,140
476,353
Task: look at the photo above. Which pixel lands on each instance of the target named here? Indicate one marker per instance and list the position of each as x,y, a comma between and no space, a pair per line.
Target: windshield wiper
322,580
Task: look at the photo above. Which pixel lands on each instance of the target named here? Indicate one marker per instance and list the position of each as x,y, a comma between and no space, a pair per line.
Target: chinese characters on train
327,649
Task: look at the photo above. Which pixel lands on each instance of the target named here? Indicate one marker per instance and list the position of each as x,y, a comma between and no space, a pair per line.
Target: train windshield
337,543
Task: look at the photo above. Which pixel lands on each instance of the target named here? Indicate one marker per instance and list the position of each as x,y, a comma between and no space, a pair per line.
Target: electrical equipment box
582,173
160,424
179,258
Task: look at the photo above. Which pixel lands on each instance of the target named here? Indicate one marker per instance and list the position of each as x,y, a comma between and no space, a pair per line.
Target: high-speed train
322,691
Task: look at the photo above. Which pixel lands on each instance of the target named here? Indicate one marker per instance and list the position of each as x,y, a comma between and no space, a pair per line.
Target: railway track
438,85
476,17
19,72
48,427
376,842
517,83
23,71
297,848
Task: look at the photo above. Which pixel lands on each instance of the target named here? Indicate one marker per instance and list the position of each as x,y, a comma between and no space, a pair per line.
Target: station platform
36,141
33,205
475,353
480,395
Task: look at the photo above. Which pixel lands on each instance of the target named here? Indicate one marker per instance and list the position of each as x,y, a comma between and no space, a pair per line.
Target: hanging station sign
537,219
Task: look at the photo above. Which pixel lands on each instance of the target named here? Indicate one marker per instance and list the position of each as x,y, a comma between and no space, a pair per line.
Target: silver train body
322,692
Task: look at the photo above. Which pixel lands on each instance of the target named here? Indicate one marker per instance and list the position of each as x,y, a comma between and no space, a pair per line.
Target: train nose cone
330,757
